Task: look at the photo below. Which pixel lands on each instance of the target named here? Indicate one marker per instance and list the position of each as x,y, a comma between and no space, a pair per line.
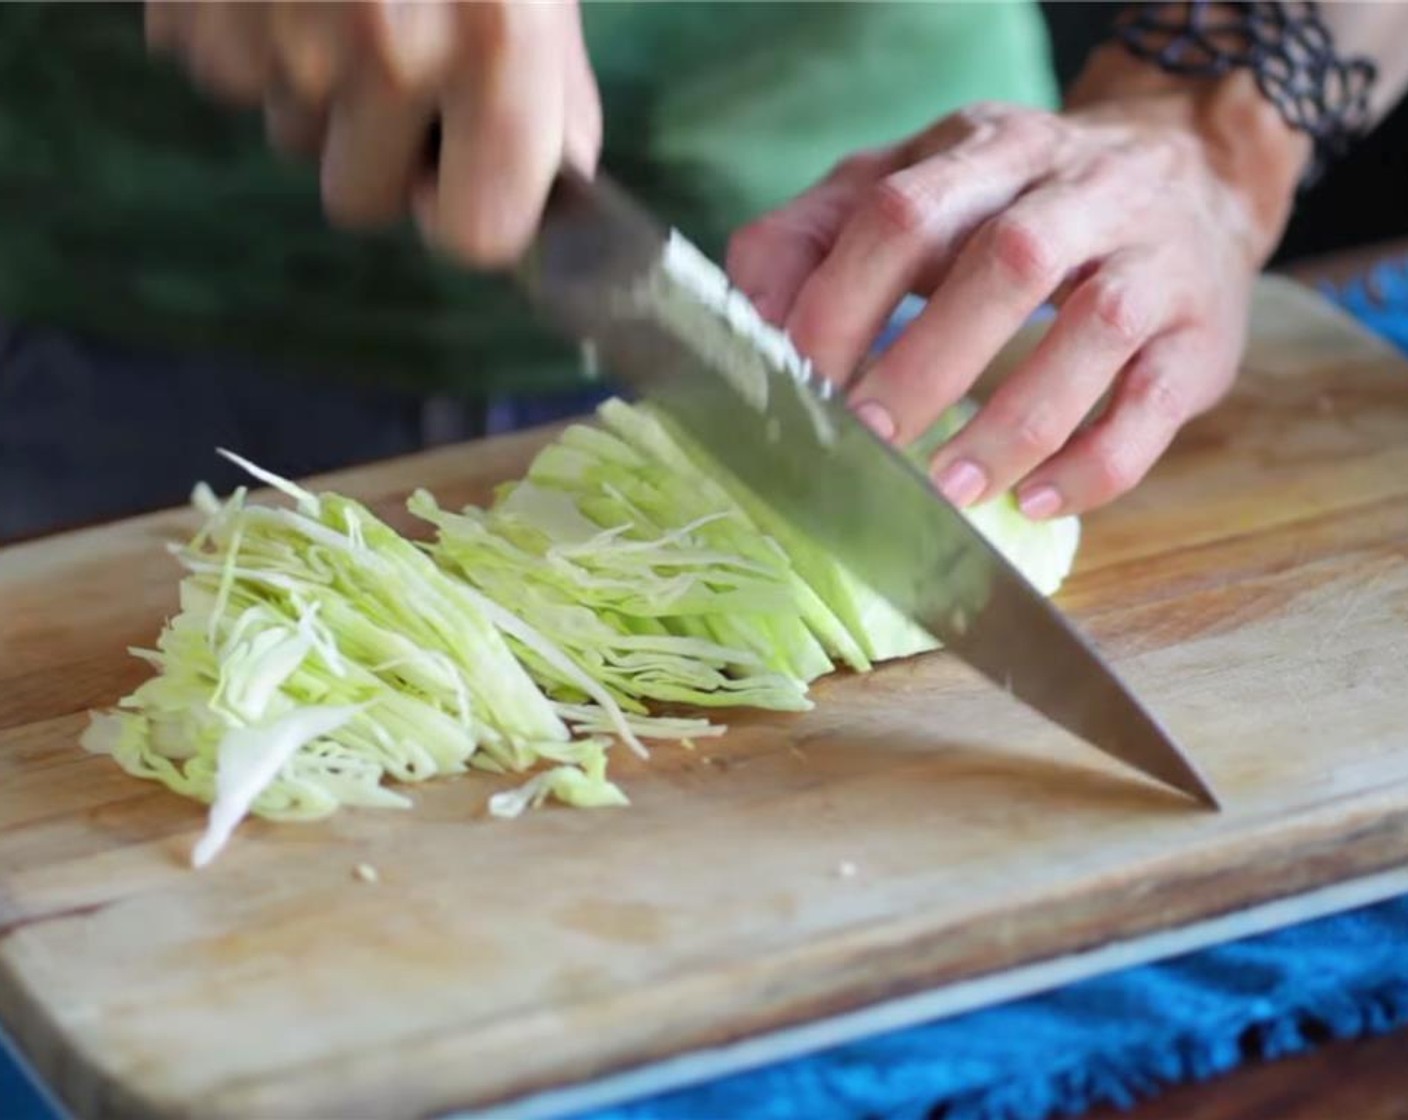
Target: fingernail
962,482
1039,501
877,418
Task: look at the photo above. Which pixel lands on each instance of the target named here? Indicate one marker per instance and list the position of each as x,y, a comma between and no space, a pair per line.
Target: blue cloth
19,1098
1110,1040
1378,299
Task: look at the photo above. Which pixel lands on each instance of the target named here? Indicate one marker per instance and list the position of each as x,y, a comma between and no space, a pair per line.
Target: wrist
1241,135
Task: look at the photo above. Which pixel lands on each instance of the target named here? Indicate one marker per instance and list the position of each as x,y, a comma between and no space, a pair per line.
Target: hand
1123,213
358,85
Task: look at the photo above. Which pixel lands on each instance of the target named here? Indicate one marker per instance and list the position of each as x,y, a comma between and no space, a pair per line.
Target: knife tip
1191,782
1209,799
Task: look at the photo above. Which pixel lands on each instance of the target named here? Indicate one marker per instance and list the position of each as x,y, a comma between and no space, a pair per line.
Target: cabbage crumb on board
321,659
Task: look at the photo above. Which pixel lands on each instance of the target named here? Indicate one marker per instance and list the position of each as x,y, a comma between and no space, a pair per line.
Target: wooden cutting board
1254,591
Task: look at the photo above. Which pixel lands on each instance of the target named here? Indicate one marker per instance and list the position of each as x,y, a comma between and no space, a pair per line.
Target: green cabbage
319,657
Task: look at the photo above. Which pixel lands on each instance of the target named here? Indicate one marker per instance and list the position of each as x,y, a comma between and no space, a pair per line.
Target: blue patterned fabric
1110,1040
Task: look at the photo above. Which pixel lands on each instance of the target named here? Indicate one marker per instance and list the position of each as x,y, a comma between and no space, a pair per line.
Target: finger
1160,389
414,41
311,43
503,129
1030,417
770,259
910,223
294,127
229,51
372,153
1006,270
162,23
582,110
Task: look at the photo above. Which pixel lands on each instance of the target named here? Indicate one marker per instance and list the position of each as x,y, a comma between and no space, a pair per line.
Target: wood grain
1365,1080
1253,591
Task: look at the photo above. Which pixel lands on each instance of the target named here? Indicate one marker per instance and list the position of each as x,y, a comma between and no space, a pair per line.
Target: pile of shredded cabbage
319,658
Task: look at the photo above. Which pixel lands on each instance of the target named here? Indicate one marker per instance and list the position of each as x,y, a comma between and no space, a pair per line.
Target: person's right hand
359,85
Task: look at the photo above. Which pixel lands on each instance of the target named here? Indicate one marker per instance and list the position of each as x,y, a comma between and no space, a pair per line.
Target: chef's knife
660,317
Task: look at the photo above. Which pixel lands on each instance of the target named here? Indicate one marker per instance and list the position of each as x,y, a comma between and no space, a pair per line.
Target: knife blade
662,319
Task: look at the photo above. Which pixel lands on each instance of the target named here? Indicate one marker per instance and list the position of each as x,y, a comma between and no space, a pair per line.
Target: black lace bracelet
1285,45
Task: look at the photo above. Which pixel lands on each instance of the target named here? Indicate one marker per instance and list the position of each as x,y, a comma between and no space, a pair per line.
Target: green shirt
132,208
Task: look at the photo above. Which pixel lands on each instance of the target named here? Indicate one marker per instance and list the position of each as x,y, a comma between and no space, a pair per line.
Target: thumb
582,118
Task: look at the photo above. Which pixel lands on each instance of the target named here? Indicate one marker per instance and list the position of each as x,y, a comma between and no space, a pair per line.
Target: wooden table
1361,1080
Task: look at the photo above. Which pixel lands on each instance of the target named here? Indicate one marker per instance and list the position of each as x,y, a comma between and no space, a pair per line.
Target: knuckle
749,246
1113,473
970,120
802,229
980,113
1036,435
971,124
1158,394
309,69
1022,119
1117,310
489,25
1032,432
857,166
1037,131
1027,254
900,205
762,238
493,245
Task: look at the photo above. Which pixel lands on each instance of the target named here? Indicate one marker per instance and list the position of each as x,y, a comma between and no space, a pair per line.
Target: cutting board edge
943,1002
1378,847
1282,877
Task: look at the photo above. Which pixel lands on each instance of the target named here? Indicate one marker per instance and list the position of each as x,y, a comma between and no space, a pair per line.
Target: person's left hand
1116,214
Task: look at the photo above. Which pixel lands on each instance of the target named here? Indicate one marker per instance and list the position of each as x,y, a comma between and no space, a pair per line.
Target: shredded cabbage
318,655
